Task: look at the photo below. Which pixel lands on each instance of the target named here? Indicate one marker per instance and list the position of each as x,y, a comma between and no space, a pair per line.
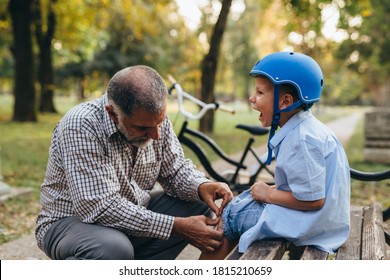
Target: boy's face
263,100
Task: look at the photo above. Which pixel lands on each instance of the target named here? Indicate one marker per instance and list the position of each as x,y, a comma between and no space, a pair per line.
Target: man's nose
154,133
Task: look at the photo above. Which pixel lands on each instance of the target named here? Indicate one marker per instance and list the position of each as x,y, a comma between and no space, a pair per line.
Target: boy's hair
290,89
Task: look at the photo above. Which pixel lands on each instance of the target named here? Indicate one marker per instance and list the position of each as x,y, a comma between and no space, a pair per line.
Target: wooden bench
366,242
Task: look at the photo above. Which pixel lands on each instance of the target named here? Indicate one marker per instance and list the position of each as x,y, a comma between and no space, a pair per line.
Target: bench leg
387,238
294,252
386,216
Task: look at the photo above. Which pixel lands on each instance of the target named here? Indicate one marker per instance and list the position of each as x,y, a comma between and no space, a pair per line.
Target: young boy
309,204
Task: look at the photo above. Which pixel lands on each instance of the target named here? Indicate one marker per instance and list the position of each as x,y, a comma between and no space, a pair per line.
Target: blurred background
56,54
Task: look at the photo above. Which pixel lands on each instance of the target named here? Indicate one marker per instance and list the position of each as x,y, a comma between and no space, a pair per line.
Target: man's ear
112,114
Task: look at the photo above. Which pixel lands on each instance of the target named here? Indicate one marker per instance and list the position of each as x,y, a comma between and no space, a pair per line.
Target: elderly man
98,199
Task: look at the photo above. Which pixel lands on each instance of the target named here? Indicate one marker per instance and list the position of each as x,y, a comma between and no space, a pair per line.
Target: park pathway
25,248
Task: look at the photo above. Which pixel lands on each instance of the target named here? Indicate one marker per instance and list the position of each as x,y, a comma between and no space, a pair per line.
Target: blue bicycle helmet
293,68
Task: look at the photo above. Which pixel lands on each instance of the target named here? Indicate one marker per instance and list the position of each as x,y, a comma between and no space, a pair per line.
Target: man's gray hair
137,88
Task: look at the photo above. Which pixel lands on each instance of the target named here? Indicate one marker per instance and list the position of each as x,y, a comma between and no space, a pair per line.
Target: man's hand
212,191
199,231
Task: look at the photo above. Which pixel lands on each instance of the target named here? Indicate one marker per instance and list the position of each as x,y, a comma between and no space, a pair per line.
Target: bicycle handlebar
181,94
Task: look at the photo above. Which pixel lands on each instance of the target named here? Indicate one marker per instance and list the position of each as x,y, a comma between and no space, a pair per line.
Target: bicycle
233,177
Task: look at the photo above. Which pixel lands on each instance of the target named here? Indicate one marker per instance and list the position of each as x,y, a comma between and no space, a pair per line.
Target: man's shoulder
84,115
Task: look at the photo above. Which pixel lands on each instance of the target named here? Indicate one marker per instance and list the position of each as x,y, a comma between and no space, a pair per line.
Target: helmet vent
322,82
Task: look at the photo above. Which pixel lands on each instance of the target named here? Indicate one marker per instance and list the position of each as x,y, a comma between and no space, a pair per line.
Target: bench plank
266,250
312,253
234,254
351,250
373,239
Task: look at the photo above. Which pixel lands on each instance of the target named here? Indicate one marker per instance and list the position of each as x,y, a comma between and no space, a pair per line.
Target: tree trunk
81,89
45,64
209,66
24,91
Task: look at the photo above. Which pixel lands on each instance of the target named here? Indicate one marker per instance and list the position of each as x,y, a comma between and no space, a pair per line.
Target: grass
25,151
363,193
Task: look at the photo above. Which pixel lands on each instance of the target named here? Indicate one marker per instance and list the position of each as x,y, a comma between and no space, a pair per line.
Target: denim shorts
241,214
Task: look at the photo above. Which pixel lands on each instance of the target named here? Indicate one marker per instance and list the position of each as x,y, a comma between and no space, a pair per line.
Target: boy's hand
261,191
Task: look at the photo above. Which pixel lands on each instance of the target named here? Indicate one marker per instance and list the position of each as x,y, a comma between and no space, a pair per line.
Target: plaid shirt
92,174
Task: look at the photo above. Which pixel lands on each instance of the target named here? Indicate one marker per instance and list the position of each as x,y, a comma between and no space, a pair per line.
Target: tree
137,35
209,66
24,91
44,36
6,58
240,52
366,50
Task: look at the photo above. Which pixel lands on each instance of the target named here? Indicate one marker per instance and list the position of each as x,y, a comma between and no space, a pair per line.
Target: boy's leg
221,252
238,216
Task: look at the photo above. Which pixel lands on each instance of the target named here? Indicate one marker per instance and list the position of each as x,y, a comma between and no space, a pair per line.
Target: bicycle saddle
253,129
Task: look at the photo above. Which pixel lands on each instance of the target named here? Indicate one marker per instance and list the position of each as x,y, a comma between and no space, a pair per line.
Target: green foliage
365,51
94,39
6,60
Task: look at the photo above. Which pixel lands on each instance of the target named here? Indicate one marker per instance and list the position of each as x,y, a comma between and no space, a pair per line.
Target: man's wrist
178,223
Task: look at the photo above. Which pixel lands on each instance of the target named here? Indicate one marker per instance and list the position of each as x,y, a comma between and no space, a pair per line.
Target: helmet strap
276,118
294,106
275,122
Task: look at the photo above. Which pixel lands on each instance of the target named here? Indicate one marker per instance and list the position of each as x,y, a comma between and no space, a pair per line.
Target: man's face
263,100
141,127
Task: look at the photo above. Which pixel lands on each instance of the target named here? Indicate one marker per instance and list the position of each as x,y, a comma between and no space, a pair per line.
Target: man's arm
178,175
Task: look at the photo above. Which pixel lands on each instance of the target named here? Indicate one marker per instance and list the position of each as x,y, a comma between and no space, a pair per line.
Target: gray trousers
70,239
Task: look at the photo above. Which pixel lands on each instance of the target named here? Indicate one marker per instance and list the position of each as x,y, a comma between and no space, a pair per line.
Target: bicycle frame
238,165
197,149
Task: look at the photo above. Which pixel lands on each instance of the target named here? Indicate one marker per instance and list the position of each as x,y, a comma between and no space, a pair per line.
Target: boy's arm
269,194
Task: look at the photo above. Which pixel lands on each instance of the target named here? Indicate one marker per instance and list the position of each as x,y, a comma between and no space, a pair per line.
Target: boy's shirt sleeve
305,171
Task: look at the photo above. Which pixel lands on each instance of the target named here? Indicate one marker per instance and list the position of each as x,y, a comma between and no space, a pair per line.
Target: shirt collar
108,125
293,122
